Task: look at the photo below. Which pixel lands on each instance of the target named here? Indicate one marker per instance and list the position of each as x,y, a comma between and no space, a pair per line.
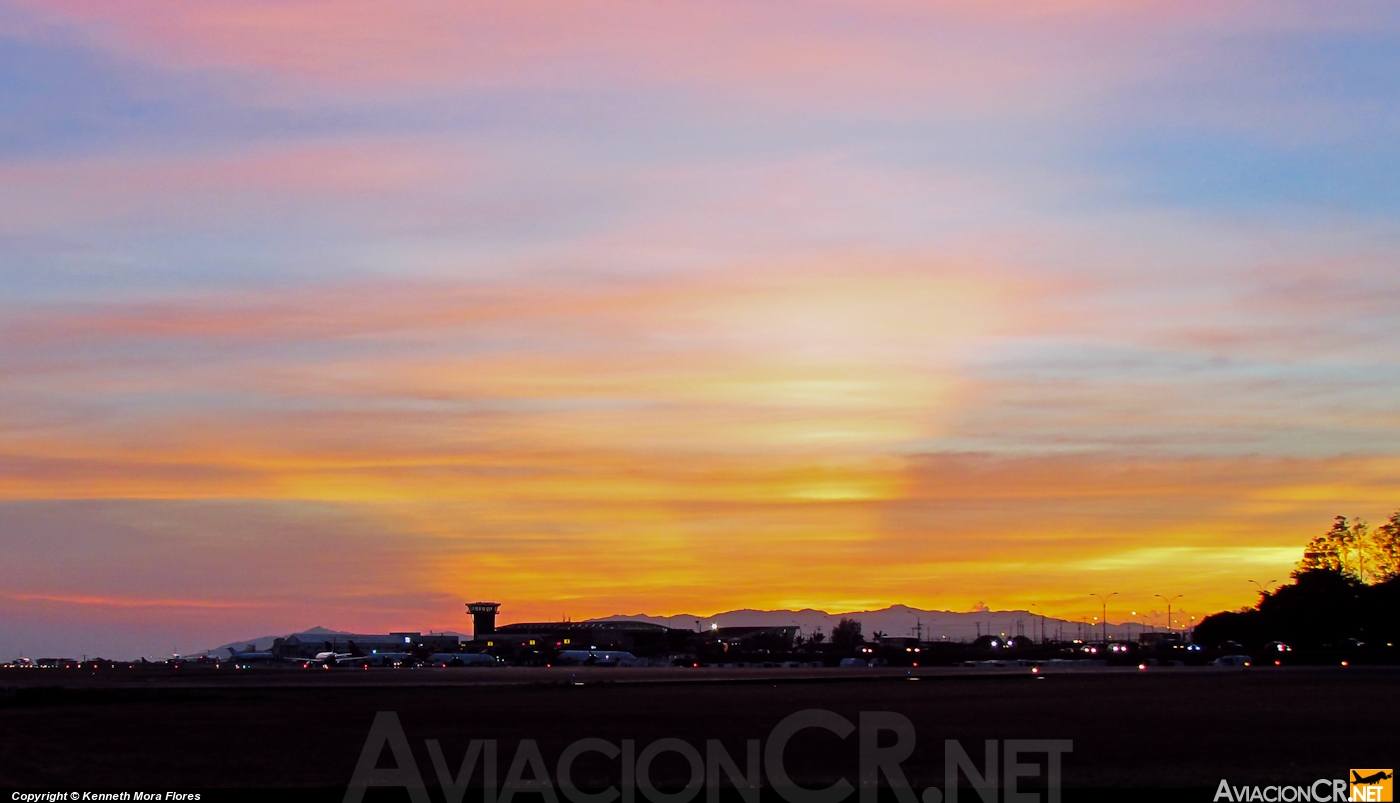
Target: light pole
1104,600
1042,621
1263,592
1169,609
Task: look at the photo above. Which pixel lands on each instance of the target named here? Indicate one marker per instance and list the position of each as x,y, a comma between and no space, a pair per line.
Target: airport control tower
483,617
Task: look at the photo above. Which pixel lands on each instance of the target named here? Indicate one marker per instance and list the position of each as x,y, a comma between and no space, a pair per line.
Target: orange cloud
671,531
771,437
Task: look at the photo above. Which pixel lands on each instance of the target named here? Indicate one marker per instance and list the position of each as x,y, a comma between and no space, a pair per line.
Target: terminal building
539,642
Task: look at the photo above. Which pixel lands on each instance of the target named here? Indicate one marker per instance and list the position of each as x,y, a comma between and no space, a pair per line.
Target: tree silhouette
1353,549
1347,586
1322,607
1385,549
1328,552
846,633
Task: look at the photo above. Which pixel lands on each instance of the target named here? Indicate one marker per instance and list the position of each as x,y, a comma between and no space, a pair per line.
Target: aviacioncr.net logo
1364,786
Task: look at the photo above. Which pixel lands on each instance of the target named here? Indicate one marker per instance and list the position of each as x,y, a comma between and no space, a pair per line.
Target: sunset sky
345,313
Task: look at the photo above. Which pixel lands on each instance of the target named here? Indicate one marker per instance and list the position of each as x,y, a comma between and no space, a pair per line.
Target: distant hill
894,621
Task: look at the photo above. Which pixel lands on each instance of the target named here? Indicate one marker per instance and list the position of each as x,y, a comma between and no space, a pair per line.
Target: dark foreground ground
1169,728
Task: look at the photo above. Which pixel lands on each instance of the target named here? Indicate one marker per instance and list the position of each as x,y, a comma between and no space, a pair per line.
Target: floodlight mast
1169,600
1104,600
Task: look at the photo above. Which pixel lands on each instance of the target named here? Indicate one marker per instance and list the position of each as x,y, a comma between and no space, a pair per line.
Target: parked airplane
378,659
251,657
327,659
597,658
331,657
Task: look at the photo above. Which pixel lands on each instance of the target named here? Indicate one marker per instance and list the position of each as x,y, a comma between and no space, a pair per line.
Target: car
1233,660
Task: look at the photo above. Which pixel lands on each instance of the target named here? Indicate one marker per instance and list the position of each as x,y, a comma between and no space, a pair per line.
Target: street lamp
1042,621
1169,609
1104,600
1263,592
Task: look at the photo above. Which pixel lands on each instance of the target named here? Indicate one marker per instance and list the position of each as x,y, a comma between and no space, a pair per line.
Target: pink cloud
137,602
891,52
46,193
